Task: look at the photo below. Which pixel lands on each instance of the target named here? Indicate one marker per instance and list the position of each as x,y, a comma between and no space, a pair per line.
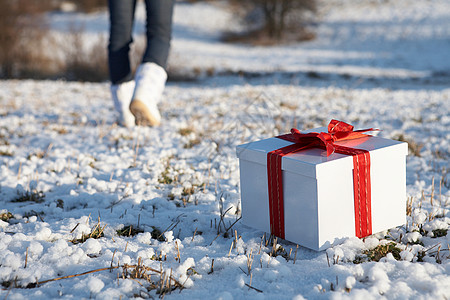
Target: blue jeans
159,33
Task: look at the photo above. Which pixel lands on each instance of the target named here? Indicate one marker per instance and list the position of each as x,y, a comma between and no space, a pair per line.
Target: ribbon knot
337,131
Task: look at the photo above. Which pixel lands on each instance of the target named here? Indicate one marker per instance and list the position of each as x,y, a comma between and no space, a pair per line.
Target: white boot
150,82
121,95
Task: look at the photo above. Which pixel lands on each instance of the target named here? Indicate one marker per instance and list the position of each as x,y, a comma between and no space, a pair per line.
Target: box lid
307,162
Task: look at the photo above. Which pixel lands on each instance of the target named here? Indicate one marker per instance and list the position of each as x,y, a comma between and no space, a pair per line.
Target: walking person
136,97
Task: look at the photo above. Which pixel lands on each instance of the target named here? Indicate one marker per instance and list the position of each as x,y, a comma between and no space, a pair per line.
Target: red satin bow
337,131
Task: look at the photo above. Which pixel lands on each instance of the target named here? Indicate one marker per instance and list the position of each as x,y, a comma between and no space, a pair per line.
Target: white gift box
318,190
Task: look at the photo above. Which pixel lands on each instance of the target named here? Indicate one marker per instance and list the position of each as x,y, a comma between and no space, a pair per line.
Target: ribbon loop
336,126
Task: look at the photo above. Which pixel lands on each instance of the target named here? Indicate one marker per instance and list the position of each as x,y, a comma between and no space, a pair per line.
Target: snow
374,64
95,285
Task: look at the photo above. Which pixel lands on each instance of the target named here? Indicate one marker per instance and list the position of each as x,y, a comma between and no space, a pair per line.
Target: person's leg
151,75
121,13
159,31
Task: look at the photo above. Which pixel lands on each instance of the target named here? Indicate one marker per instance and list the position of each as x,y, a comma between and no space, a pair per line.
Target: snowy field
72,182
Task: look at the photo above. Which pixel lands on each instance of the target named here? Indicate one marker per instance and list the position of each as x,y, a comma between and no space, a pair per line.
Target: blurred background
62,39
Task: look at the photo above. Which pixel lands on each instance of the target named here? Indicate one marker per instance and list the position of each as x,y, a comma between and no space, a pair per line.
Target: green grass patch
381,251
378,253
164,178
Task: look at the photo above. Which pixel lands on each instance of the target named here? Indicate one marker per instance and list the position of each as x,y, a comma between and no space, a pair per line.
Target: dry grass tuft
89,6
440,232
19,35
5,217
161,281
186,131
413,147
31,196
260,37
96,233
157,234
129,231
6,153
409,206
85,64
192,143
28,51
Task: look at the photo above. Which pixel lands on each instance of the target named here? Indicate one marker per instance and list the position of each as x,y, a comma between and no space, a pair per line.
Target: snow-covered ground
66,169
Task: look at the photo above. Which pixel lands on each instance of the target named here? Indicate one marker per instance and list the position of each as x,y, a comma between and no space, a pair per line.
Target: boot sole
142,114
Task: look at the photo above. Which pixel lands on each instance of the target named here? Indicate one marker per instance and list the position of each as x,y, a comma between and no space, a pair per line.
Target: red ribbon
337,131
